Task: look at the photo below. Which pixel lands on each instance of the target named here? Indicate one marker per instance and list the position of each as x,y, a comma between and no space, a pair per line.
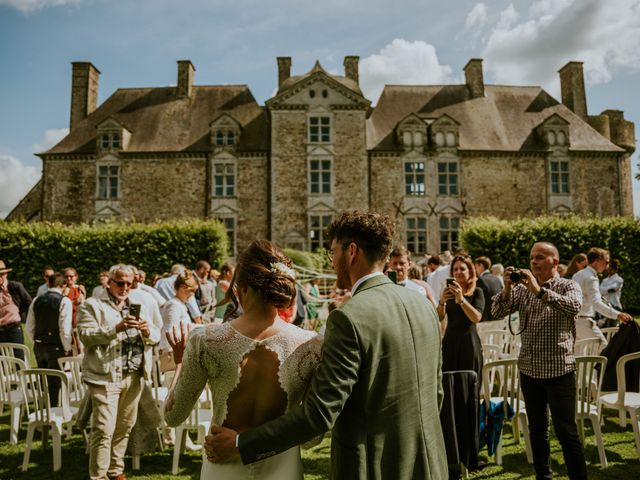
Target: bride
258,366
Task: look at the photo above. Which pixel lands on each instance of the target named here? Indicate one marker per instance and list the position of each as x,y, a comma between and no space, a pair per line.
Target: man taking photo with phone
118,356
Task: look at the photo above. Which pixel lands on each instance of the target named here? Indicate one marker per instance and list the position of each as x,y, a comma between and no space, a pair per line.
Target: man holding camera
548,306
118,341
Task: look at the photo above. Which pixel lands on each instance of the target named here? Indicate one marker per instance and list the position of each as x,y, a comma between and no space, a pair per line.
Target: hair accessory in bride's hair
279,267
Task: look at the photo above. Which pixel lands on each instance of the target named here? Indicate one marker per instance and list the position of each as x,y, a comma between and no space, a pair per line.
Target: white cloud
603,35
51,137
29,6
477,17
508,17
16,180
402,63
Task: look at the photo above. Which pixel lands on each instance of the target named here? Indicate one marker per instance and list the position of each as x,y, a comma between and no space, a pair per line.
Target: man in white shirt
587,279
400,261
49,326
440,270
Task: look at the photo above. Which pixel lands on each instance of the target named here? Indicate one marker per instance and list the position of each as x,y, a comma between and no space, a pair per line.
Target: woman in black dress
462,302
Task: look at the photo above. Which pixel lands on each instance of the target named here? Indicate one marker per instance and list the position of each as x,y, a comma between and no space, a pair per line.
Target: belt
586,316
9,325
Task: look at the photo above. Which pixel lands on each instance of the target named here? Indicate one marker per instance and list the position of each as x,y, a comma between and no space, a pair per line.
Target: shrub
312,261
28,247
509,243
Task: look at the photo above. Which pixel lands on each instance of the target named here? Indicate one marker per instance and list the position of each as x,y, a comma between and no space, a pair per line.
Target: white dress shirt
411,285
592,302
438,280
174,313
611,290
150,311
64,320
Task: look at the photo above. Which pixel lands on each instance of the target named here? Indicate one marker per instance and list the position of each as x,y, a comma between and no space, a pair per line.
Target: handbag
167,363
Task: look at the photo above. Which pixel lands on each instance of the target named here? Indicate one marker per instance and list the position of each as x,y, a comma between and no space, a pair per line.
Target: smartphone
134,310
393,276
450,280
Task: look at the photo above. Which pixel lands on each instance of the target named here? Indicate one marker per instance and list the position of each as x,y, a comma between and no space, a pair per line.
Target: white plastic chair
588,383
11,392
42,414
72,368
609,332
507,389
491,353
200,420
587,347
623,401
7,350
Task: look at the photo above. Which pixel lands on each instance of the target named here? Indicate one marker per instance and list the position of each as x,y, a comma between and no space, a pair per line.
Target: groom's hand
220,444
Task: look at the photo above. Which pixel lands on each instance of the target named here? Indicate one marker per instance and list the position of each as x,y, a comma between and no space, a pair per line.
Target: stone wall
69,190
162,188
253,201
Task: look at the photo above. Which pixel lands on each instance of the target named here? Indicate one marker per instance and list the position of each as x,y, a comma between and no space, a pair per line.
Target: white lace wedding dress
214,353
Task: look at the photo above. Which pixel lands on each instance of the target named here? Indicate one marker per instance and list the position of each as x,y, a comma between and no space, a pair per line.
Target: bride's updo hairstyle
266,270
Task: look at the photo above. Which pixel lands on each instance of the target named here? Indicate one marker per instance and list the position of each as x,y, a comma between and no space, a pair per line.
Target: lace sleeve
192,380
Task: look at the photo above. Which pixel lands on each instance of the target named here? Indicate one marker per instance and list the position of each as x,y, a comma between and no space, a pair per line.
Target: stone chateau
429,155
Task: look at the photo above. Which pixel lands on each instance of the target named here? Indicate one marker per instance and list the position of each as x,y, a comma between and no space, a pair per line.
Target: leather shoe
119,477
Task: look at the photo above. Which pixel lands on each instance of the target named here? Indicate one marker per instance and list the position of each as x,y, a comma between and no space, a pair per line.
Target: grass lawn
619,445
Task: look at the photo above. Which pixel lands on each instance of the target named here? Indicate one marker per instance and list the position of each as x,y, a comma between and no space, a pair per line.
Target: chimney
473,77
84,91
186,72
572,88
351,67
284,69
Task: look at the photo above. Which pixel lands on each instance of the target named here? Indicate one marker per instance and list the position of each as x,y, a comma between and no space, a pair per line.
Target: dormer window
225,138
110,140
411,132
225,132
444,132
553,132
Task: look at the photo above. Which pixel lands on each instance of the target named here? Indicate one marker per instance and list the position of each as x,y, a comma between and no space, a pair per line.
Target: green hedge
28,247
313,261
509,243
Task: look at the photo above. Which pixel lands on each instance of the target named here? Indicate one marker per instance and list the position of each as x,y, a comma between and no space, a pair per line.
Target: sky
137,43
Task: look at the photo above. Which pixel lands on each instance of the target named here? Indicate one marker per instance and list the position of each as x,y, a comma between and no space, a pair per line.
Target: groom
379,382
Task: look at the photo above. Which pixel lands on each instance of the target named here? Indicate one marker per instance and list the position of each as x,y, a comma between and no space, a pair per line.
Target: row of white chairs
500,382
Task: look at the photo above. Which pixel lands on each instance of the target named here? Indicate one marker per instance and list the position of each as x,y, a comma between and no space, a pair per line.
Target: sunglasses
121,284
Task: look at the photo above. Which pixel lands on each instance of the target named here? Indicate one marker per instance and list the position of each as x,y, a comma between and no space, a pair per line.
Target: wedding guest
14,305
46,273
577,263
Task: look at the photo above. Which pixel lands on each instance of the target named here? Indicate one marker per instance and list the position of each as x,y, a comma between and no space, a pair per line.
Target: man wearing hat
14,305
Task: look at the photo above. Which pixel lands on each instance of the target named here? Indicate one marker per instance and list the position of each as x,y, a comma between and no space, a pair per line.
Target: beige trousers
115,408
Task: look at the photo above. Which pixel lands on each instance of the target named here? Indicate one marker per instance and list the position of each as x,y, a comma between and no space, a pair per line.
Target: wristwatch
541,293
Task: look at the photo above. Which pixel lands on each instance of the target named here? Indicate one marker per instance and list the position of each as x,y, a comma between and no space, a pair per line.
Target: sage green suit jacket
378,386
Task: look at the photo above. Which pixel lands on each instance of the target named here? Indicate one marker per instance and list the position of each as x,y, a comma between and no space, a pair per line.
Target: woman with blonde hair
258,366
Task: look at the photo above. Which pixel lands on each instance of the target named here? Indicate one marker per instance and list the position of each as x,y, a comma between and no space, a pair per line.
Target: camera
515,275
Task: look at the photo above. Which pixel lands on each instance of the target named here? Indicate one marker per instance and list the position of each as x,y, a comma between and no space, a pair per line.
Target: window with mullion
224,179
416,232
449,227
317,226
448,178
414,179
319,176
559,171
108,179
319,129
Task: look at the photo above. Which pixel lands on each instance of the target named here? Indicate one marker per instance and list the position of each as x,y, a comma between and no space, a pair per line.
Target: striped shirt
549,326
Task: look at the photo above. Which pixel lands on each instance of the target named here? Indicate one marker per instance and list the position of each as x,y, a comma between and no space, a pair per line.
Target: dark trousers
559,393
47,356
13,334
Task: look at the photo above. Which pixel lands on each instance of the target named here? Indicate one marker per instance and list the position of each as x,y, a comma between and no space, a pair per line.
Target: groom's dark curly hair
372,232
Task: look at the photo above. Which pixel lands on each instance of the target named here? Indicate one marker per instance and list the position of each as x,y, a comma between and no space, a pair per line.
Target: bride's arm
189,380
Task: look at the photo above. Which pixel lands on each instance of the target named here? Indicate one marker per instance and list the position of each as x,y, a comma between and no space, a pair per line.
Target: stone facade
430,156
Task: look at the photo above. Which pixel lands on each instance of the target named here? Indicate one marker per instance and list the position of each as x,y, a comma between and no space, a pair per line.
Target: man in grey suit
379,382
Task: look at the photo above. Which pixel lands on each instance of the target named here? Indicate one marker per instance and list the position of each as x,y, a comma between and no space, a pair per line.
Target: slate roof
161,122
503,120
